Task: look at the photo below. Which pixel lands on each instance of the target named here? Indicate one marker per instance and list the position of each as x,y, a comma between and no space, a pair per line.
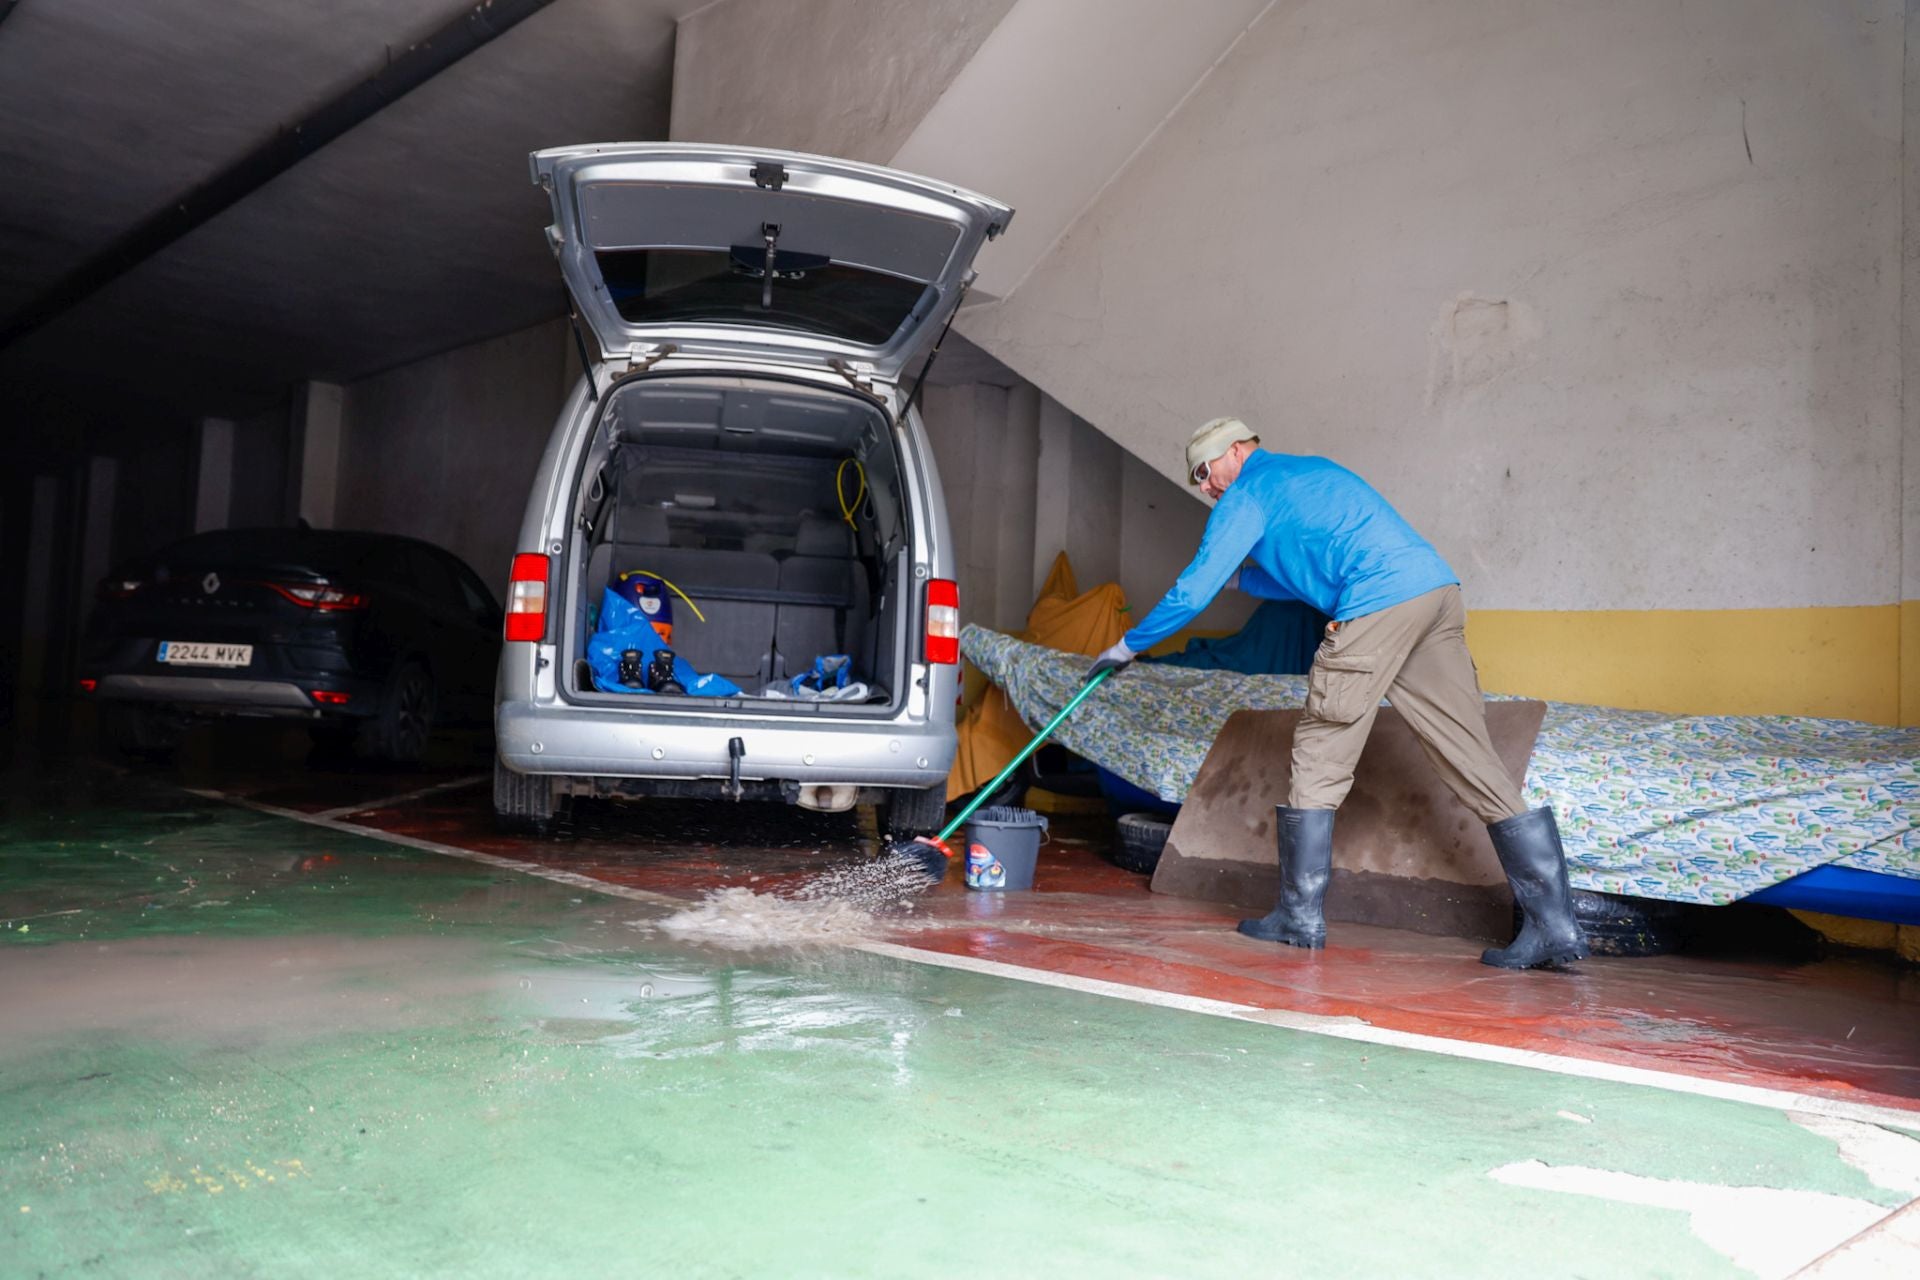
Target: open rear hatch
762,255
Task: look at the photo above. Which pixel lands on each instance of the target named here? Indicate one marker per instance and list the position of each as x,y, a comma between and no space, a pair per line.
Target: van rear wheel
527,803
916,813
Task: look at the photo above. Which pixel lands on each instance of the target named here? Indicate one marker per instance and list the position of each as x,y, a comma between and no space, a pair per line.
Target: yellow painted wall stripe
1860,663
1910,662
1847,663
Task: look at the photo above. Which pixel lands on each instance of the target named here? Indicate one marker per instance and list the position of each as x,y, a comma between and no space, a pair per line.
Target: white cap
1215,438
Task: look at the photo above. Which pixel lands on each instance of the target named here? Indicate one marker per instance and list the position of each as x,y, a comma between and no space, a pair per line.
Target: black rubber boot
1536,867
1305,837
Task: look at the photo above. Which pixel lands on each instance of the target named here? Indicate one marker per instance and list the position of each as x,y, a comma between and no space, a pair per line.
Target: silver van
744,446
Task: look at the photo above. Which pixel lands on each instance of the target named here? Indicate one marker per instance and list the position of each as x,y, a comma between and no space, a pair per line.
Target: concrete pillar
1053,465
213,486
967,426
96,532
317,411
36,597
1093,512
1020,491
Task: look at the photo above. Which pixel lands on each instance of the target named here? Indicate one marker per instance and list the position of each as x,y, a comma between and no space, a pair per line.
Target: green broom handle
960,819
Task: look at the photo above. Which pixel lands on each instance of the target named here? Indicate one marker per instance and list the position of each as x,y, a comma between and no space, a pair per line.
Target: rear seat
822,565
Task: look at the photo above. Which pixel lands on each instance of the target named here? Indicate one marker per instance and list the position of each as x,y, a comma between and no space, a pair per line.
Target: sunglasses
1201,471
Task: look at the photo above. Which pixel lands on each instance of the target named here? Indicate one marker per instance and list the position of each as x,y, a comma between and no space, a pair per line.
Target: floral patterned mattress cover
1703,809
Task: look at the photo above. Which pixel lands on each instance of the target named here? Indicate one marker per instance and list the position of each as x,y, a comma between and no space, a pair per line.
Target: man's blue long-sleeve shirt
1315,532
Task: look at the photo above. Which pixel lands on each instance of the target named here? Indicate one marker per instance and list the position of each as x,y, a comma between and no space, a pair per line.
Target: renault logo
210,583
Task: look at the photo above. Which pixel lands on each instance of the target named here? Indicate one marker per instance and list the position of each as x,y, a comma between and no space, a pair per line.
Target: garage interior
1616,304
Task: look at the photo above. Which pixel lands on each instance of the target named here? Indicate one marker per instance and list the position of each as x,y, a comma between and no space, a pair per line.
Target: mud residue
234,990
1476,341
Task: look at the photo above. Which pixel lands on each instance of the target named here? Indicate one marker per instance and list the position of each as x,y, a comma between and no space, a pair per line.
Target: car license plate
192,653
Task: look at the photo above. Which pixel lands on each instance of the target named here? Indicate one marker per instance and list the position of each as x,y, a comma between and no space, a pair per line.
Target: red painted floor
1835,1027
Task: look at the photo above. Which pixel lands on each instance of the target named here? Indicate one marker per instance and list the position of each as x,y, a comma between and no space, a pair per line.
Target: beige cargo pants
1415,655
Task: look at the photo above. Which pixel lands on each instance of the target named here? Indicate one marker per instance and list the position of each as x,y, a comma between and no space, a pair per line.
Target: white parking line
1367,1033
572,879
387,802
1313,1024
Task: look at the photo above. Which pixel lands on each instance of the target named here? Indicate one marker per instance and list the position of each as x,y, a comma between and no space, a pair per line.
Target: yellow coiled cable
840,489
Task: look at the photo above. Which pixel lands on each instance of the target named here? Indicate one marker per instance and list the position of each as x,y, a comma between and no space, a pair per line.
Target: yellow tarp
1064,618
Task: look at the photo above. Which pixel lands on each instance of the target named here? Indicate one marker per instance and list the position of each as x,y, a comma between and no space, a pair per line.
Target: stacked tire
1138,839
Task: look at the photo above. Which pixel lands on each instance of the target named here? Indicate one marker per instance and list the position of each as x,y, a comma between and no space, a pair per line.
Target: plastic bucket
1003,846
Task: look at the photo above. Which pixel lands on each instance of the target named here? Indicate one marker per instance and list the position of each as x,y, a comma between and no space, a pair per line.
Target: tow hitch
736,750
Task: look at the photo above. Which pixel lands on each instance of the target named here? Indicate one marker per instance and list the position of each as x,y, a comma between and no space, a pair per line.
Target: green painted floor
237,1045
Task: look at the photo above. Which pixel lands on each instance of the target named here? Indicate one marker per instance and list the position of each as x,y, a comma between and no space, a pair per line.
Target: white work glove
1113,659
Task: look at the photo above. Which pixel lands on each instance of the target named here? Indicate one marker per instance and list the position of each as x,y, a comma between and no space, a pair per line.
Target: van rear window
717,286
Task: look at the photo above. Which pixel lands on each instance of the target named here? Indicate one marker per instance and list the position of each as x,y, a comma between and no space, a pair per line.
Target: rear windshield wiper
768,262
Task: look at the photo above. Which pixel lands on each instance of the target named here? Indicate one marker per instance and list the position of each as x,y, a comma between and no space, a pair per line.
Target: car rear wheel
141,732
916,813
404,725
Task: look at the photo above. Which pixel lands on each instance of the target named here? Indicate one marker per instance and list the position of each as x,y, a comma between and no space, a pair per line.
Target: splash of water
845,904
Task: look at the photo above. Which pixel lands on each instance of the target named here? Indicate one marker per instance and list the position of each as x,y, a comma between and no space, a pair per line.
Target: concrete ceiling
414,232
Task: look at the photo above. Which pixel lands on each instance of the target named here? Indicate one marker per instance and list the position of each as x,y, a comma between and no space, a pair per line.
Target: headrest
646,526
823,536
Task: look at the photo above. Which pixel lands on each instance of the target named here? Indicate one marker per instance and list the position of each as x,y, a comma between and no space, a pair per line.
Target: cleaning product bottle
983,869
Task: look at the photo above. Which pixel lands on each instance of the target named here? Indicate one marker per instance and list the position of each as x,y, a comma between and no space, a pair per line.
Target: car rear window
718,286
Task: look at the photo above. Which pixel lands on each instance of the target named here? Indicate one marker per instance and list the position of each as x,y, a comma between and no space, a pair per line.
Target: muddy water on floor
236,1057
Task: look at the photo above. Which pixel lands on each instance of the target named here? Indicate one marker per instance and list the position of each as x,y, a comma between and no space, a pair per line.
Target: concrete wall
1026,480
1910,379
1606,298
848,78
445,448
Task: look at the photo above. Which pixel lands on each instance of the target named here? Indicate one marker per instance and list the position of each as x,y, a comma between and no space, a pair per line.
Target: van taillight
527,598
943,621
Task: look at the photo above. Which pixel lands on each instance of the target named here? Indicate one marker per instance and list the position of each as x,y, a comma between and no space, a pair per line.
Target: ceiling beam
289,145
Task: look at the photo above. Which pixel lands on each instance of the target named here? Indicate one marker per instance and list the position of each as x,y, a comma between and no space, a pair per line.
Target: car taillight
943,621
88,684
317,595
527,598
330,697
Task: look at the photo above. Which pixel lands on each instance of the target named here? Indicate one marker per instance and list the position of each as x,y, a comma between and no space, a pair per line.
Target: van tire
1138,839
527,803
913,812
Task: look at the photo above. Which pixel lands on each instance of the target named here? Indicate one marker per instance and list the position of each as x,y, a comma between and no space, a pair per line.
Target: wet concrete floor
343,1030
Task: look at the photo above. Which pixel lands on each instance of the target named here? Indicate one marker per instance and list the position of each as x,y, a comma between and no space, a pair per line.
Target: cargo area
773,514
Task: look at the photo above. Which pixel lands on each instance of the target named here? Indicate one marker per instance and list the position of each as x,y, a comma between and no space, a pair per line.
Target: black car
366,635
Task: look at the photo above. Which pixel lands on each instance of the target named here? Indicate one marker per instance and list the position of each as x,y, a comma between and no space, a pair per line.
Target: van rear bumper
618,744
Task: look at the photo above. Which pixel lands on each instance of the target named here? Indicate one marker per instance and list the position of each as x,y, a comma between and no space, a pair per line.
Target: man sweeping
1315,531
